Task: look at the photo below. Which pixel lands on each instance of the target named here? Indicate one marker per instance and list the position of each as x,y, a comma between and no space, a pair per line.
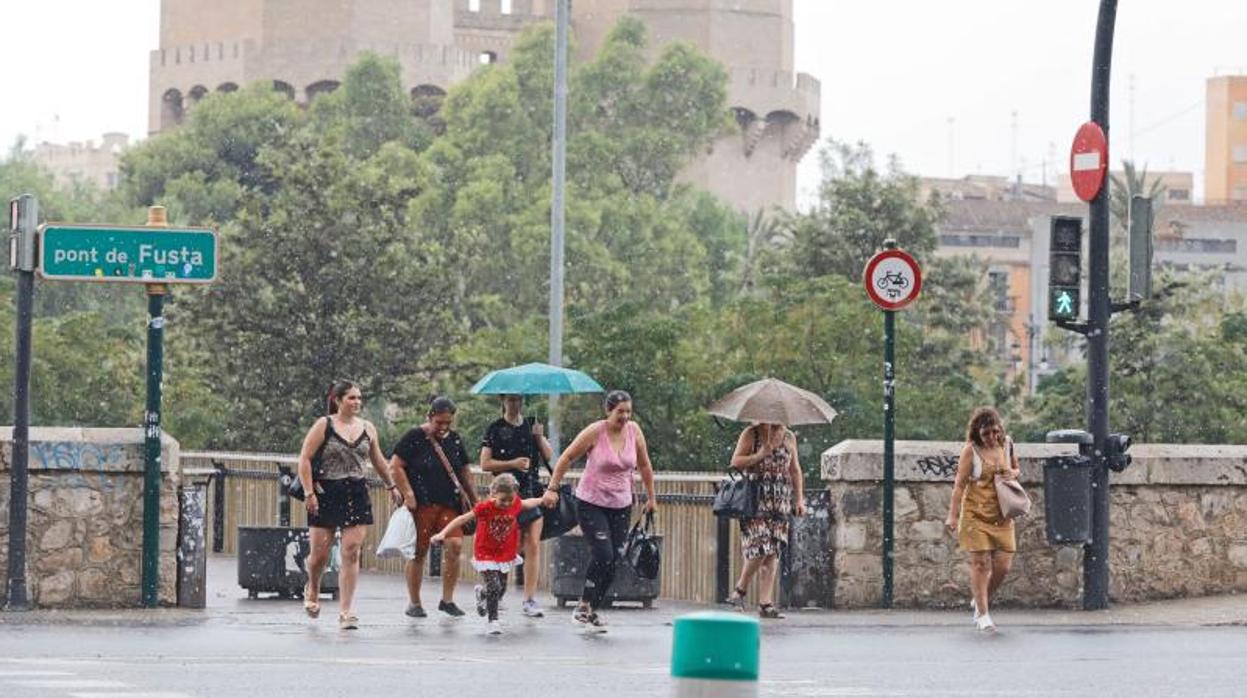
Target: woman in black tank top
337,493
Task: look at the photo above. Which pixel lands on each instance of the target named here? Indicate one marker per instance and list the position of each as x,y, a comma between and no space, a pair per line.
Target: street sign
127,255
893,279
1088,161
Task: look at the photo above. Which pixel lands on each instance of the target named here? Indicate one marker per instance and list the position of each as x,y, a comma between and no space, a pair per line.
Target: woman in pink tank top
615,448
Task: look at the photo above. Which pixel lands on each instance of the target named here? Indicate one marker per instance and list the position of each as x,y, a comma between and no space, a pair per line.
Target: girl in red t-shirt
496,544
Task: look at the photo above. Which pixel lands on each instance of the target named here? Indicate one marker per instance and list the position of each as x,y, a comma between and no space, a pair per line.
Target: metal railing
700,551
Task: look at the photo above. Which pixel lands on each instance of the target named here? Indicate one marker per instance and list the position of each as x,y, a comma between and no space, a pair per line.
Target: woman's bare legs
352,544
980,578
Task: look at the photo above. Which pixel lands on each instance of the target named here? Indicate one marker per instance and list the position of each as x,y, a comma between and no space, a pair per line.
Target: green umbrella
535,379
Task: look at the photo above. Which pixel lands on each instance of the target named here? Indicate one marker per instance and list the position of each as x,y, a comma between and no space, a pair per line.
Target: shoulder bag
295,488
737,496
642,549
465,504
1014,502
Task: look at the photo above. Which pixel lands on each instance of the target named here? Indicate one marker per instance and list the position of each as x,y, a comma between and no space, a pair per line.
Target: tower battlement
305,46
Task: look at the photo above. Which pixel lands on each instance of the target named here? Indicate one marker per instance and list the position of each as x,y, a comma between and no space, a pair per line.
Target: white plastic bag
400,536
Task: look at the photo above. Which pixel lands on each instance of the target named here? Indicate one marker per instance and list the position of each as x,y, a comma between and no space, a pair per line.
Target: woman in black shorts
337,493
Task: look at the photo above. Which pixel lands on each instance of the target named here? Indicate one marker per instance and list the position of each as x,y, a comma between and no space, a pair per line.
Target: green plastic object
716,645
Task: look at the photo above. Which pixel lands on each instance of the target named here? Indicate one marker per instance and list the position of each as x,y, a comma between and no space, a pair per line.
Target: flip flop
310,606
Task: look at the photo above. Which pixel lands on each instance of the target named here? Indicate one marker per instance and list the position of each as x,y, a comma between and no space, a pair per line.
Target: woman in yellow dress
974,512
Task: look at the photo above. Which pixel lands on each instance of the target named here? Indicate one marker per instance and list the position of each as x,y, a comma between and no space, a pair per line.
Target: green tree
1178,368
857,209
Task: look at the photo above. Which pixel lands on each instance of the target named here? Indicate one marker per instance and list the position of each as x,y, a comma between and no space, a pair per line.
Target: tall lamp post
559,185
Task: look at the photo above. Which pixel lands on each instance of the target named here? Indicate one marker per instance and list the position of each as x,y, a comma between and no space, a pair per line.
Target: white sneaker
532,609
495,627
984,623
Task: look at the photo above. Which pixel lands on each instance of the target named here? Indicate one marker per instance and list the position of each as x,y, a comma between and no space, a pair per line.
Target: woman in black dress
341,443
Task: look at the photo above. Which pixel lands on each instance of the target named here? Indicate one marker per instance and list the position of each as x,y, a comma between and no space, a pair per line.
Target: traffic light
1065,268
1118,459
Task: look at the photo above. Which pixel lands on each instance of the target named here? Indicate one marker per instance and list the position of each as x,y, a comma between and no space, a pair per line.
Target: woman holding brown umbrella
766,452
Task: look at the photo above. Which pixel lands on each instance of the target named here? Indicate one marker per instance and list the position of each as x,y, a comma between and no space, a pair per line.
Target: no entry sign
1088,161
893,279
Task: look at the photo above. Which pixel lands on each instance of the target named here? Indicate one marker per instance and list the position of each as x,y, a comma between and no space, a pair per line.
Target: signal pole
1095,553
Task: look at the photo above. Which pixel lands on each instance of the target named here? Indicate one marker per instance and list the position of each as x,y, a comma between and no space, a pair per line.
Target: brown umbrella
773,402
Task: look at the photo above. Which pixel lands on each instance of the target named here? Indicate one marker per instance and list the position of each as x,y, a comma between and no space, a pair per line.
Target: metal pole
26,216
1095,555
19,476
556,208
151,430
889,436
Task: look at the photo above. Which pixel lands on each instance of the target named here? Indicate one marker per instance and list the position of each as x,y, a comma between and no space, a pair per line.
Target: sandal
737,600
348,621
768,610
310,606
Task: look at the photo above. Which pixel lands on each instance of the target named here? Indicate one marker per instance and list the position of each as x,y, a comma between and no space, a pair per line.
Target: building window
1239,153
1240,111
474,5
998,284
1198,245
1178,194
506,7
488,57
972,240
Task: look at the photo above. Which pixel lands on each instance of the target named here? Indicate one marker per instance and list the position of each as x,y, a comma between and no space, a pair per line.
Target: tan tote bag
1014,502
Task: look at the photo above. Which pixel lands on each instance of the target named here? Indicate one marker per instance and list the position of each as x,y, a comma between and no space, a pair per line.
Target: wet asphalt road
549,658
266,647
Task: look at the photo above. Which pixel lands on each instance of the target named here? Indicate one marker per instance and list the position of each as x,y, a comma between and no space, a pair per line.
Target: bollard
715,654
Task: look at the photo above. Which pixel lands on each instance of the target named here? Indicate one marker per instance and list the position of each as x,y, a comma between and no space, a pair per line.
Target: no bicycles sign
893,279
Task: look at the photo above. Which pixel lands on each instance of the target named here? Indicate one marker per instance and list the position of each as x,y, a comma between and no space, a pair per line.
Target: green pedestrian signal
1063,304
1065,268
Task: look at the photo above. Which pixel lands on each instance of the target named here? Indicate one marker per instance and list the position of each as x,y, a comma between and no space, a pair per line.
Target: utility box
272,559
1067,490
570,562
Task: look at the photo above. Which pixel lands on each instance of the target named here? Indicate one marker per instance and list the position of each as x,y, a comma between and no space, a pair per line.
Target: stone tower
304,47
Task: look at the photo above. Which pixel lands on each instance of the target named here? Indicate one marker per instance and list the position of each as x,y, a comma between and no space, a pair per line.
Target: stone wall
85,517
1178,527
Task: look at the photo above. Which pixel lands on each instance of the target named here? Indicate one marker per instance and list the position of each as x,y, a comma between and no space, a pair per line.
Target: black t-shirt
425,471
506,441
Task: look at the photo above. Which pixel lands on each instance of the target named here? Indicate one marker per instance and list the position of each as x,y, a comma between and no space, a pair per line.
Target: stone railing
85,516
1178,527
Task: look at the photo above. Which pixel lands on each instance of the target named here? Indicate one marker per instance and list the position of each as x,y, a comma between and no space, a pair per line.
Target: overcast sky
910,77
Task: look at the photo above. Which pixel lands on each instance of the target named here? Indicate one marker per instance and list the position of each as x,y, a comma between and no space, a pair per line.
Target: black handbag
560,518
737,497
295,488
642,550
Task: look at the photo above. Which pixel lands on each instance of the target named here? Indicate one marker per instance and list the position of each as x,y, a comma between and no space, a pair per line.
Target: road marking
11,674
70,683
164,694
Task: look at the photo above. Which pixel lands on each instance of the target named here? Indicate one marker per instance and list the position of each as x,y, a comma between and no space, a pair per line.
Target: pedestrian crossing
64,679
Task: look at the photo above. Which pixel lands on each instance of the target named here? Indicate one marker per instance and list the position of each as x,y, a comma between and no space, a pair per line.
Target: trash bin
569,562
271,560
1067,490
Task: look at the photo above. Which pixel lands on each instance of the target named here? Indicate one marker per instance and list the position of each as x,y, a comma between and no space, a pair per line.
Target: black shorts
343,503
